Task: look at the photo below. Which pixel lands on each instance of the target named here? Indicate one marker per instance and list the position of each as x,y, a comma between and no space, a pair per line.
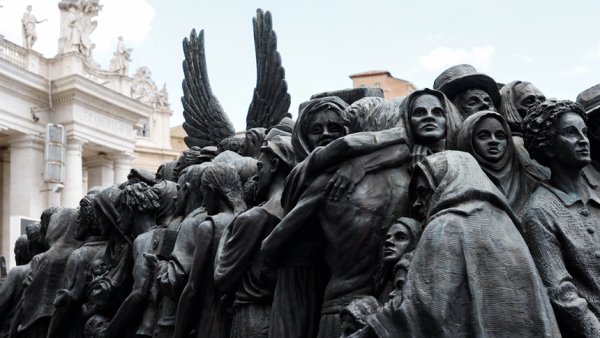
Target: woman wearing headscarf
431,123
472,274
486,136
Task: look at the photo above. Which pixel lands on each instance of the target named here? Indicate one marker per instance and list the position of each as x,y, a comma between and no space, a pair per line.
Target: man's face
473,101
428,119
490,140
265,176
180,199
324,128
571,145
525,96
423,195
398,241
178,166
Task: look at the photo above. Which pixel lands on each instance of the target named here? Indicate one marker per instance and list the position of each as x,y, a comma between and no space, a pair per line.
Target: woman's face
423,193
428,119
324,128
490,140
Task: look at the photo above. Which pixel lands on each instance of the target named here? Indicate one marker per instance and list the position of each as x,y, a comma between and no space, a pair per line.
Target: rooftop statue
29,33
81,26
120,61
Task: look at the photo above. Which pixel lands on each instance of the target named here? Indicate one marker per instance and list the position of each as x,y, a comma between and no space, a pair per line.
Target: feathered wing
205,120
271,100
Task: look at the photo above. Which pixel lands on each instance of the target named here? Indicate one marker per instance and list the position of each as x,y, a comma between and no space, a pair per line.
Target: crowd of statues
468,210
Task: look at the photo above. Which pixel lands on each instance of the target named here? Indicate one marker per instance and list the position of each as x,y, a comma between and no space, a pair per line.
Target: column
4,197
73,190
101,171
26,183
122,165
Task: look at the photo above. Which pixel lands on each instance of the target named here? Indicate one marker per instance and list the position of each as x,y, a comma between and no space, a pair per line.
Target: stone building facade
112,123
391,86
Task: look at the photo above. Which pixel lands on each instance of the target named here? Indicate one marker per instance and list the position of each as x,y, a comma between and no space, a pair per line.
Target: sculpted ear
274,164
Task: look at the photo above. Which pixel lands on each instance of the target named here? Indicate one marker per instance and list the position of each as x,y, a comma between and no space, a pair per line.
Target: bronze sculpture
516,99
589,100
11,288
560,221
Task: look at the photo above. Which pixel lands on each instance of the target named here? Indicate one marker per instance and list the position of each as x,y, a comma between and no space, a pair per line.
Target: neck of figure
567,179
142,222
273,204
224,206
194,202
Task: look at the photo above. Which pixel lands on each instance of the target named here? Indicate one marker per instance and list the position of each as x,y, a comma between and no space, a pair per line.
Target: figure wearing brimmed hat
590,100
469,90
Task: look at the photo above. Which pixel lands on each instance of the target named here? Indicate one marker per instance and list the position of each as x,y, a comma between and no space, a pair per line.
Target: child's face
100,267
398,241
349,327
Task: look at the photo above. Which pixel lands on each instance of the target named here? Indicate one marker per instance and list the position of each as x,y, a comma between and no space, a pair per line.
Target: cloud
524,58
130,19
573,71
595,54
444,57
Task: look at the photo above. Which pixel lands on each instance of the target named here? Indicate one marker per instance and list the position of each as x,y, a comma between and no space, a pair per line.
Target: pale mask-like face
398,241
100,267
427,119
324,128
473,101
571,145
526,95
490,140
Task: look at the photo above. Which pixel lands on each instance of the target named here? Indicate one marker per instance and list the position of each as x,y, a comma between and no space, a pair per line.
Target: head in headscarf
451,180
431,139
301,142
402,237
166,191
105,210
503,167
21,252
87,222
515,99
165,171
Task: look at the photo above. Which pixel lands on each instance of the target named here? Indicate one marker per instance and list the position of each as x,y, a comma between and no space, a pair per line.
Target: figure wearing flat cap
469,90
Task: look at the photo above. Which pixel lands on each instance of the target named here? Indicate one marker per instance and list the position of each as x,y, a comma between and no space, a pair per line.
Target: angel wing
271,100
205,120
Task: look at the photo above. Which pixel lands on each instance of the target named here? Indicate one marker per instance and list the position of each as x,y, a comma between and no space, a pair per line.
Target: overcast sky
554,46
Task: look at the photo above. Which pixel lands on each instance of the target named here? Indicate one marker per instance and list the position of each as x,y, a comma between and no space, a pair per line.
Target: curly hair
32,231
224,178
539,126
138,196
231,143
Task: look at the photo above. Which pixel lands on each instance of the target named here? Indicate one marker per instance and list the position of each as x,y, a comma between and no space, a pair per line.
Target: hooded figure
46,274
508,174
472,274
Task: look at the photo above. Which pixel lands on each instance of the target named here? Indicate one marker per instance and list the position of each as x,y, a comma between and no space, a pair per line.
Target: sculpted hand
418,154
151,260
345,179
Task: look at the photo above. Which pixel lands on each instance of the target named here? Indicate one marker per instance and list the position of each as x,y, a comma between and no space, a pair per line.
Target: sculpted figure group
468,210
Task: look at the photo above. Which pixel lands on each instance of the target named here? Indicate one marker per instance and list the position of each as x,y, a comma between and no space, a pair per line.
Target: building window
144,132
377,85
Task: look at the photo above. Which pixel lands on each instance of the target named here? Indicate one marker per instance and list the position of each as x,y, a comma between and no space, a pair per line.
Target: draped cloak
472,274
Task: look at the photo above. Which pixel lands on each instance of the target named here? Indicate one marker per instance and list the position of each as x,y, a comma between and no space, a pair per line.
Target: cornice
24,91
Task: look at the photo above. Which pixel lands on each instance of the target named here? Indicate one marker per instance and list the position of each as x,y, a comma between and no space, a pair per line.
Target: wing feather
206,123
271,100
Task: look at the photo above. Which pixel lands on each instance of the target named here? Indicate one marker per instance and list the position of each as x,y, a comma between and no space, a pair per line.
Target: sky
554,45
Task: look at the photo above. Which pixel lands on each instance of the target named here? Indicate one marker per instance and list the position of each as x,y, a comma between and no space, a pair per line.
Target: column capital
122,157
98,161
75,143
26,141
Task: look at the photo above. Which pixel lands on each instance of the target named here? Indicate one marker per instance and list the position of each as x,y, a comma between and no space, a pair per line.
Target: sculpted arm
134,303
353,145
546,251
189,299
